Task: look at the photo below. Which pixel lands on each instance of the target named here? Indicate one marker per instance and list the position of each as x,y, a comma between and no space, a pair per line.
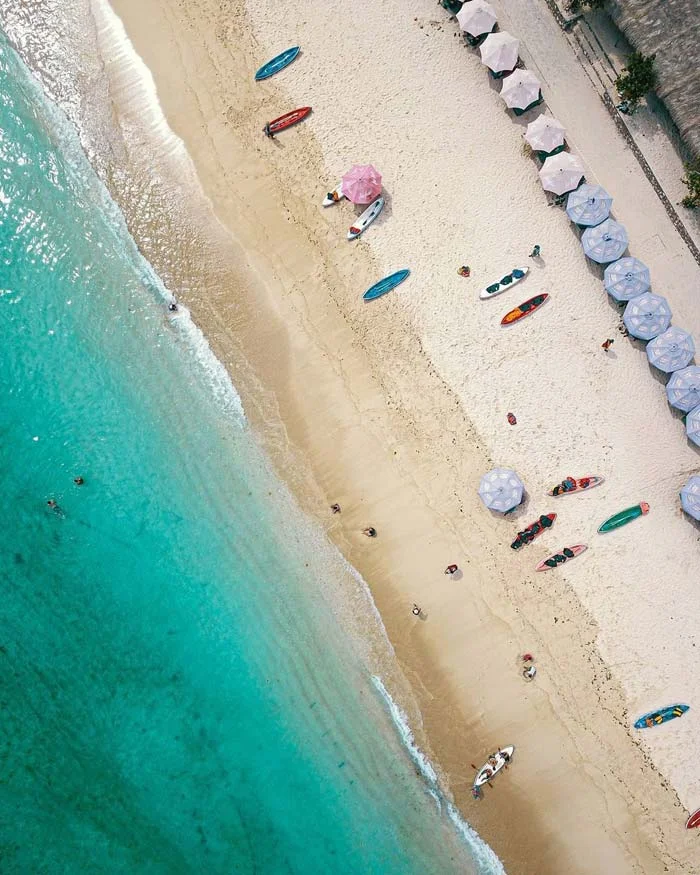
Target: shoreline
326,371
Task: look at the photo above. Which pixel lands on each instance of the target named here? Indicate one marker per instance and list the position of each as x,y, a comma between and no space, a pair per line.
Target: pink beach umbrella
362,183
561,173
477,17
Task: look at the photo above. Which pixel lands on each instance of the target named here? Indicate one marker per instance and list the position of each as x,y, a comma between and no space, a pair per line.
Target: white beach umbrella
561,173
626,278
588,205
477,17
692,428
690,493
672,350
545,134
499,51
606,242
683,389
646,316
520,89
501,489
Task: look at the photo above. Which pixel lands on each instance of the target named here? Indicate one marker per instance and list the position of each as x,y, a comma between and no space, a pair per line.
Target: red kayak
286,121
524,309
693,820
533,530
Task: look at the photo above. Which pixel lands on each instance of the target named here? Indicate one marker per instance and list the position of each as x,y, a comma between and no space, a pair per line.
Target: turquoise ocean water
177,693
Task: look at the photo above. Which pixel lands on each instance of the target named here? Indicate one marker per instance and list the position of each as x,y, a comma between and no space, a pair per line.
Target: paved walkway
650,133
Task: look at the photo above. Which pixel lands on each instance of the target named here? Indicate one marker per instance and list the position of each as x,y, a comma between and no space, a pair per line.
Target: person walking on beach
464,270
335,508
451,569
370,531
608,343
535,251
415,610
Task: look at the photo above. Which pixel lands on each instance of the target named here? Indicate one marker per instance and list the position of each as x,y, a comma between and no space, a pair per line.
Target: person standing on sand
335,508
415,610
535,251
607,344
370,531
451,569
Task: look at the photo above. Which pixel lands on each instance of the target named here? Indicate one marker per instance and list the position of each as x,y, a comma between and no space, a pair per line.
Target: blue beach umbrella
690,497
672,350
692,427
588,205
646,316
626,278
606,242
683,389
501,489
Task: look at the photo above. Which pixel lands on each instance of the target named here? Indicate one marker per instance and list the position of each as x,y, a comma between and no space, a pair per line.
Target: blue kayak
386,285
654,718
277,64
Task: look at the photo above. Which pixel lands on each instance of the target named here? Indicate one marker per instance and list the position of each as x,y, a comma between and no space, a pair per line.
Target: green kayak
624,517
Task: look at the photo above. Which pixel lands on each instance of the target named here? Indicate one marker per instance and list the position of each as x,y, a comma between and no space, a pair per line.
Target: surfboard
500,759
286,120
329,200
528,535
580,485
656,718
279,62
365,220
505,283
524,309
557,559
623,517
386,285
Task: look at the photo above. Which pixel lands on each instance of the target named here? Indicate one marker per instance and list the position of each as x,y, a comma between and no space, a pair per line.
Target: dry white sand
399,407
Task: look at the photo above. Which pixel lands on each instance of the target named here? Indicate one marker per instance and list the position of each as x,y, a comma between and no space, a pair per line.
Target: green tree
692,180
637,78
578,5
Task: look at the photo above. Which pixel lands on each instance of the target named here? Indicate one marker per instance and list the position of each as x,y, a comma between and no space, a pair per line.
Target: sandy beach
397,408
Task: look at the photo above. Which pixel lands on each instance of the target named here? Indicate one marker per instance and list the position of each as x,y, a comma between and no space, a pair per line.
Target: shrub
692,180
637,78
578,5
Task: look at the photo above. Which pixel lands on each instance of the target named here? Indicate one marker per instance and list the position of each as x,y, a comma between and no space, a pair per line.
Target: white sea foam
485,857
64,123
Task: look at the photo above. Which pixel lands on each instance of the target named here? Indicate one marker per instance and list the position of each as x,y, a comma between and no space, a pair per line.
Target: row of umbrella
499,52
647,316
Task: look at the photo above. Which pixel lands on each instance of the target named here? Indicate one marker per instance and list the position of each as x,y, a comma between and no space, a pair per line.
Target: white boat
333,197
365,220
493,765
517,274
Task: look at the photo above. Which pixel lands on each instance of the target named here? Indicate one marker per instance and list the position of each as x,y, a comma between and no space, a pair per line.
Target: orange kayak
524,309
